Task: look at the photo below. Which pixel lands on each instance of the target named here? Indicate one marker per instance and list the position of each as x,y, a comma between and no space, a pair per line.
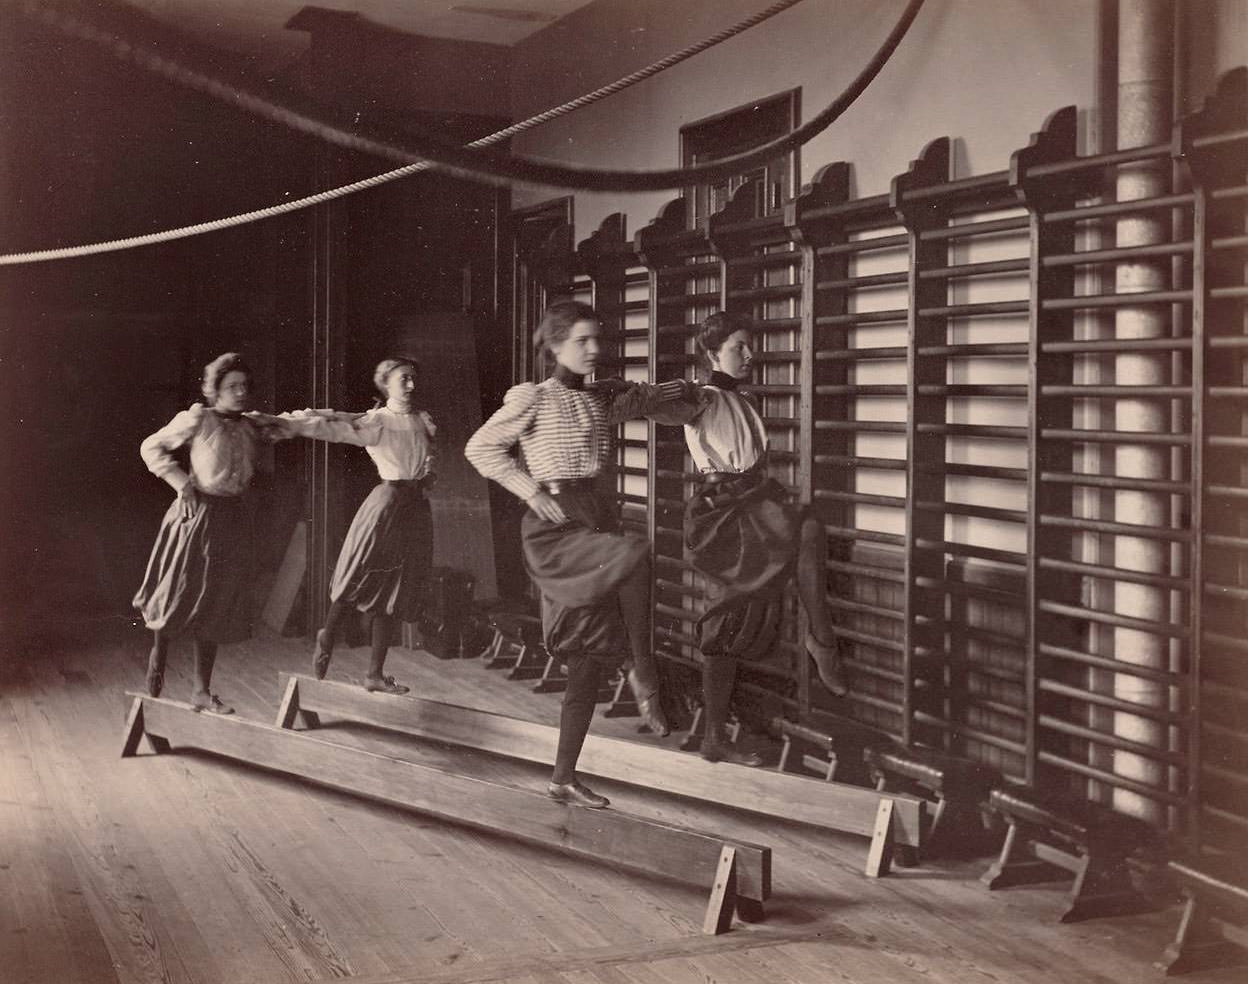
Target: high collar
398,408
228,414
723,381
570,379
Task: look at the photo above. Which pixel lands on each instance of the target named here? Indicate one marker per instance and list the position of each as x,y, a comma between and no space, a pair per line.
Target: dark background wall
96,353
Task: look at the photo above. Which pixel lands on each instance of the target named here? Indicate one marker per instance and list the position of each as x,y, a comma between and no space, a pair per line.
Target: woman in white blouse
744,534
198,577
385,557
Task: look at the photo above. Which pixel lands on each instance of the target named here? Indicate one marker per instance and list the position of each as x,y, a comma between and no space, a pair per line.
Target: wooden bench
737,872
839,746
518,646
959,787
1090,840
832,806
1215,891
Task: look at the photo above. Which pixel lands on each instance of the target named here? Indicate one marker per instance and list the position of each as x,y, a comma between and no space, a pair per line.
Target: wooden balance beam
739,873
888,819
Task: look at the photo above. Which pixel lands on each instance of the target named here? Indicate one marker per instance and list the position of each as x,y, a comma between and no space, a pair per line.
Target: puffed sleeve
491,450
157,450
668,402
431,429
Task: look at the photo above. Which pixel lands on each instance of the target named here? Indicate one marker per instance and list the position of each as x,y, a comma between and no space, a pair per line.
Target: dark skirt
384,561
742,534
578,566
199,575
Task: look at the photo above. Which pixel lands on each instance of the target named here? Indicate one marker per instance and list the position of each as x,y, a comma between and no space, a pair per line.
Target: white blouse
224,450
400,444
728,435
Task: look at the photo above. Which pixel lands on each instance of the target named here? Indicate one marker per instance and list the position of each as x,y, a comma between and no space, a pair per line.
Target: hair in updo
217,370
557,322
386,366
714,331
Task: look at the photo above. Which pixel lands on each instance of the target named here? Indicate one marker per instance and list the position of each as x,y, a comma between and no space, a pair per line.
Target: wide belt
406,483
560,486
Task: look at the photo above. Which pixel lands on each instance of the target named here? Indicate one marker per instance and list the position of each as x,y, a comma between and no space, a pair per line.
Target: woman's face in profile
578,352
735,357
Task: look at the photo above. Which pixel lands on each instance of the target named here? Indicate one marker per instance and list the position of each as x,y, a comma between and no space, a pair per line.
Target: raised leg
643,675
812,588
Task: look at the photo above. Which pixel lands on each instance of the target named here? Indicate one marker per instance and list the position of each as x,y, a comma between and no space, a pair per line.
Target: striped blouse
564,432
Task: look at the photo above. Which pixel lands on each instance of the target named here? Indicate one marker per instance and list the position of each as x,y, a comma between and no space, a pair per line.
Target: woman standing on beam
385,557
594,580
198,578
745,536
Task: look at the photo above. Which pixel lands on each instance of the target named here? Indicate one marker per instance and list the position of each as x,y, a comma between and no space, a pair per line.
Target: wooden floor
188,868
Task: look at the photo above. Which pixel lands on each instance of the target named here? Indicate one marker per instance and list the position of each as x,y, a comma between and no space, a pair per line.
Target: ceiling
257,28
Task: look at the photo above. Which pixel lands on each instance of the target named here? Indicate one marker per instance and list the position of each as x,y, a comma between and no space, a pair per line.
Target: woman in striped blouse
594,580
744,534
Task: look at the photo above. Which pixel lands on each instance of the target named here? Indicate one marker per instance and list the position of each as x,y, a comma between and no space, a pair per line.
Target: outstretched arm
672,402
360,429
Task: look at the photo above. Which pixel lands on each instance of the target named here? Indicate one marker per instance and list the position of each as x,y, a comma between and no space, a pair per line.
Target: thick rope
475,165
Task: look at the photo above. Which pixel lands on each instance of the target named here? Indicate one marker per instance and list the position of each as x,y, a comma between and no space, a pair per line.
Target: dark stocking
584,679
156,663
205,658
719,673
381,645
338,610
812,579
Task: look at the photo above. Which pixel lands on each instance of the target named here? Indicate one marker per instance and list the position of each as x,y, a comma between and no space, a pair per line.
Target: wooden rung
830,805
645,845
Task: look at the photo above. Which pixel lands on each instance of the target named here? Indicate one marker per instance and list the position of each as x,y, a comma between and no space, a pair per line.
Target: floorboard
189,868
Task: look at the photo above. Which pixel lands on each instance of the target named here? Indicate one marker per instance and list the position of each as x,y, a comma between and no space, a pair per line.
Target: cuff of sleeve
522,486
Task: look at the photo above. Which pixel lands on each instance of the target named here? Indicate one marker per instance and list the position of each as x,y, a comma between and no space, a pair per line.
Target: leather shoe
650,707
652,716
827,660
722,751
384,685
576,792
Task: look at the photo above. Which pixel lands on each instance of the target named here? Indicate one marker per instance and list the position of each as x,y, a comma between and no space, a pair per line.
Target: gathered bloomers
384,561
199,575
742,533
578,566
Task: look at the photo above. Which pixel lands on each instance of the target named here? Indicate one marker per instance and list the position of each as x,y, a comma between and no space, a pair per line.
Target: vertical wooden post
829,188
925,449
1212,167
880,856
723,900
1056,141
